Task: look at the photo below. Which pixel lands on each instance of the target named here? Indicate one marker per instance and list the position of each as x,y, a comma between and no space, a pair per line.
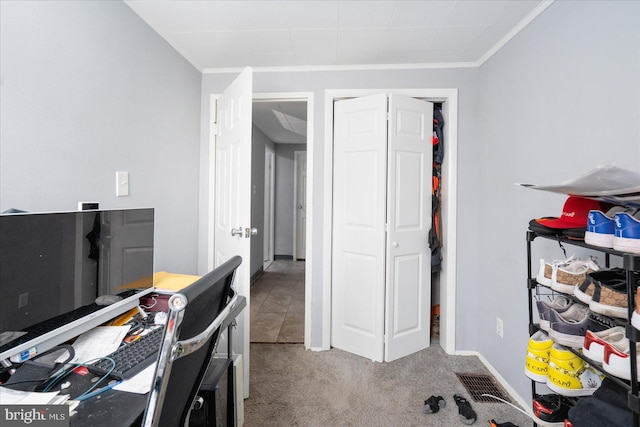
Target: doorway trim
296,212
269,206
449,98
308,286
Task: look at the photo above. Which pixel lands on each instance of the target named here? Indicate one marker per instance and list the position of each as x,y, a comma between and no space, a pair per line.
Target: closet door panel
358,251
408,293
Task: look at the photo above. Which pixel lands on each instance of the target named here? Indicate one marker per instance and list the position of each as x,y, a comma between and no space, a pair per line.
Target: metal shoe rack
631,263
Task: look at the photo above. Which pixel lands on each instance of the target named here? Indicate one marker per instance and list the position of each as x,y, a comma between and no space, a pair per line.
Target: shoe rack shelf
631,264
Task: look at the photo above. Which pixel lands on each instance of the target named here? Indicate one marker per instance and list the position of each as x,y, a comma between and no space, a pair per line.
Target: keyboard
51,324
131,358
56,322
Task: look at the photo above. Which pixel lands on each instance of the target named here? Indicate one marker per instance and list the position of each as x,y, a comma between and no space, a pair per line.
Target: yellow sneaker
569,375
537,361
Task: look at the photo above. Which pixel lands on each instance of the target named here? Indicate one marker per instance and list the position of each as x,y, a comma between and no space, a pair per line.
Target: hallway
277,304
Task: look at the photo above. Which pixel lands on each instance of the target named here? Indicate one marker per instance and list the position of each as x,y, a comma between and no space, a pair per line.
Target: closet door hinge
214,129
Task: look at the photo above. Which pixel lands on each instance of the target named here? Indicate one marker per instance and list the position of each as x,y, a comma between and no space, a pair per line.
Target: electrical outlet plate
499,327
122,184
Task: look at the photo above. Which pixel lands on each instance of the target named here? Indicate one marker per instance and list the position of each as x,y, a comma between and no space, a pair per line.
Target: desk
117,408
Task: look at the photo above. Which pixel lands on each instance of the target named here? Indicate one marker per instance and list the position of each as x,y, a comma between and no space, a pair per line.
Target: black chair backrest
191,335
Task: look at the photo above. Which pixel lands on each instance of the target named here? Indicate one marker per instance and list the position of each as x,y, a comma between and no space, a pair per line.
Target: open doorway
278,287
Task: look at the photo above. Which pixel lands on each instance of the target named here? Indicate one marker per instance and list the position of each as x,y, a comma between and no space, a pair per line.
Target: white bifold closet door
381,261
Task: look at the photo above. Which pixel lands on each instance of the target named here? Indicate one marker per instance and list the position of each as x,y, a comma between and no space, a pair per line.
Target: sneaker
595,342
616,360
560,304
545,272
570,327
569,375
610,297
537,360
600,227
567,276
635,317
626,236
551,408
614,277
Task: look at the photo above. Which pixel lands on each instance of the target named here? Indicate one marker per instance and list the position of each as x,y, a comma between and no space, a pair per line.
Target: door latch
248,232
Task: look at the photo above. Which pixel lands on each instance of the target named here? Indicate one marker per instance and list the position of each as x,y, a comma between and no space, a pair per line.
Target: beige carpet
291,386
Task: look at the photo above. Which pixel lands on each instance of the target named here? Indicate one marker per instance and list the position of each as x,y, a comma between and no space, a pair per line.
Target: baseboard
256,275
524,403
238,372
289,257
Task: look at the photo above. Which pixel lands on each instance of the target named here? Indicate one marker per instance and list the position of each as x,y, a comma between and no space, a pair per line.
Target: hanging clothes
435,234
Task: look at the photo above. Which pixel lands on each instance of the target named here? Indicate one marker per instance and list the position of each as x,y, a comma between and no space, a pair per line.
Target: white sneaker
616,360
595,342
545,272
567,276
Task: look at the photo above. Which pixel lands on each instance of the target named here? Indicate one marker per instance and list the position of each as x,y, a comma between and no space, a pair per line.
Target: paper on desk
17,397
140,383
98,342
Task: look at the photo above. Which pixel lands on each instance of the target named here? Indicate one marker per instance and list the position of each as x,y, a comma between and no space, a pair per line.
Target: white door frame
449,98
296,211
269,206
308,98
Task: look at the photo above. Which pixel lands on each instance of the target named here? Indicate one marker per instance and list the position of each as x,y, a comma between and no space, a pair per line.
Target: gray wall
559,99
87,89
284,220
259,140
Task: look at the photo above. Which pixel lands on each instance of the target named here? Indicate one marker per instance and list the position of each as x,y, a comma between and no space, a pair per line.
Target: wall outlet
499,327
23,300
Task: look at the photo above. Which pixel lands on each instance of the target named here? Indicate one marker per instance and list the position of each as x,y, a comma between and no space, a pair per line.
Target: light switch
122,184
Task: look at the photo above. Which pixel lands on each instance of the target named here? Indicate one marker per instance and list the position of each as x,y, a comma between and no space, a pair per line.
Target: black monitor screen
55,263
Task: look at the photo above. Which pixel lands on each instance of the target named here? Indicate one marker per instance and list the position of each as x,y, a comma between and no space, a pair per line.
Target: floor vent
478,385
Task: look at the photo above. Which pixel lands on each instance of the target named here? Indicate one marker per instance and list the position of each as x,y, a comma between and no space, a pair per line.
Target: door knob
299,206
394,244
236,231
248,232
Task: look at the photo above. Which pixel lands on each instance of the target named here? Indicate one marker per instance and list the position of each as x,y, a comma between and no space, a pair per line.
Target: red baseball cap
574,213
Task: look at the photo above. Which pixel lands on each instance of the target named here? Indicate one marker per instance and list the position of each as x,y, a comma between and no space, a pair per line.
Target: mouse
107,299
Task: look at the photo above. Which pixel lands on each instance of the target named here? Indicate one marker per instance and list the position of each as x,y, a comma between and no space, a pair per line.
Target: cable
66,372
512,405
155,302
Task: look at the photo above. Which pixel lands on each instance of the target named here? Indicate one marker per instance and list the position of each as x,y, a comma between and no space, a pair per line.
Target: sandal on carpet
433,404
465,412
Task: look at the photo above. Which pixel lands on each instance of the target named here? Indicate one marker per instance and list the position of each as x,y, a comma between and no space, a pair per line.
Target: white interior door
381,216
232,211
358,261
300,203
408,285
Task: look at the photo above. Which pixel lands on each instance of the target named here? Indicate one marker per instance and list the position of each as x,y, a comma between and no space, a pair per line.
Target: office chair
193,326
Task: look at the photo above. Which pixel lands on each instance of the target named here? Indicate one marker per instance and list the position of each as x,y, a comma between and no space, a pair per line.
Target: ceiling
228,35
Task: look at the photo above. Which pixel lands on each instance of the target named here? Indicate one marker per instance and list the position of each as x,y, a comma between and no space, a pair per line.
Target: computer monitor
53,266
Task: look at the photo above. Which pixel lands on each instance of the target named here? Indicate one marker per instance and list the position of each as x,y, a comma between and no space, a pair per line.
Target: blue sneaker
626,236
601,226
